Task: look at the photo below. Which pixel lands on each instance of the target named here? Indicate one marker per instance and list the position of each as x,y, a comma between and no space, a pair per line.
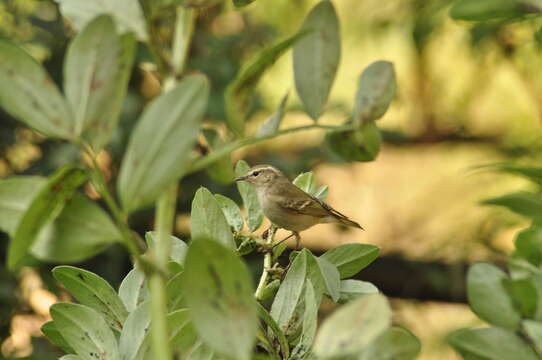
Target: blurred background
469,95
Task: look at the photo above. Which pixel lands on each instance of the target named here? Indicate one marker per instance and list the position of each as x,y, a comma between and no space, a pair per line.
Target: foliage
511,302
197,299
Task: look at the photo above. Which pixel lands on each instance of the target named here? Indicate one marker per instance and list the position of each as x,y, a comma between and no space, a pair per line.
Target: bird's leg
297,240
283,240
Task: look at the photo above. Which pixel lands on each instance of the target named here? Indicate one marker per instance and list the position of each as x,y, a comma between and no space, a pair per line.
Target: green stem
130,241
267,263
210,158
165,214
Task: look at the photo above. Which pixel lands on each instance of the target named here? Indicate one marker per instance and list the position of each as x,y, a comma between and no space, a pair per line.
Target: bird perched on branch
287,206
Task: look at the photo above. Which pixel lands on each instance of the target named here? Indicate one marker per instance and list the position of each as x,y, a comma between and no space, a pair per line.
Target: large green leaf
351,258
238,93
482,10
354,326
159,148
221,301
529,172
394,344
96,72
361,144
208,220
231,212
491,343
43,209
29,94
524,295
324,276
85,331
127,14
183,334
290,292
254,214
376,90
81,219
133,289
134,342
310,321
274,327
177,247
242,3
93,291
316,57
50,330
523,203
82,230
16,194
488,297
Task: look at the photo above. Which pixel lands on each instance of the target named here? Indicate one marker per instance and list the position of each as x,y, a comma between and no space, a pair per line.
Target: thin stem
165,214
208,159
130,241
267,263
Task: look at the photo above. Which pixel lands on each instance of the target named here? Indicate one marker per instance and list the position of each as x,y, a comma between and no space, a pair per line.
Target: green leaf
529,172
362,144
305,181
50,330
158,155
70,357
96,73
277,332
491,343
353,289
133,290
85,331
231,212
208,220
534,331
316,57
178,248
90,68
290,292
221,300
352,327
239,92
134,342
524,295
199,3
183,334
242,3
81,219
29,94
93,291
272,125
175,292
395,343
351,258
16,195
310,321
529,245
376,90
538,36
44,208
523,203
253,209
331,278
127,14
221,170
483,10
488,297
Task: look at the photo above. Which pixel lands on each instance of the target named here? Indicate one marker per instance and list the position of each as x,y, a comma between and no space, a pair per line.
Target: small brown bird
287,206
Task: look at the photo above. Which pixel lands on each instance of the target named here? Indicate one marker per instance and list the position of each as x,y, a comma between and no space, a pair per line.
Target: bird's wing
298,201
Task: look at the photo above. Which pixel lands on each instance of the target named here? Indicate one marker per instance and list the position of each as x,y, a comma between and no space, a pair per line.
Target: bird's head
261,175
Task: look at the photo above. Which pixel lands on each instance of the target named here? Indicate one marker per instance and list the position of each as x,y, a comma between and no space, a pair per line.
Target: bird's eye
255,173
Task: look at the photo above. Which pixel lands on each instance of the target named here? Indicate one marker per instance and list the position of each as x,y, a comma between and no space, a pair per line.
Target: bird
287,206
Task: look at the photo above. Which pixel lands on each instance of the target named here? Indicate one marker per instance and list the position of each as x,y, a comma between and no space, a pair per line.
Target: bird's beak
240,178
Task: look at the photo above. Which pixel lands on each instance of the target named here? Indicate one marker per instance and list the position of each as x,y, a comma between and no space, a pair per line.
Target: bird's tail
346,221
